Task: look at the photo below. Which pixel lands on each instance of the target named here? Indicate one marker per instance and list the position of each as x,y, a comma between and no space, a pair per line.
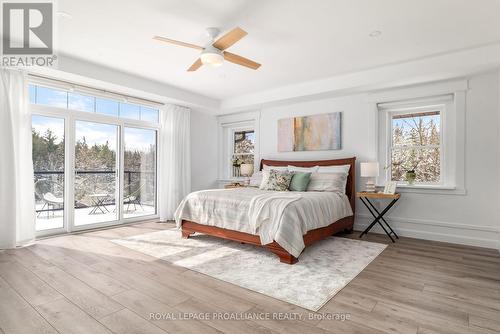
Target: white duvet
280,216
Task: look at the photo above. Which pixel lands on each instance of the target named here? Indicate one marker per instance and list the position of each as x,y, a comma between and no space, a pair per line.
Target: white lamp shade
246,169
369,169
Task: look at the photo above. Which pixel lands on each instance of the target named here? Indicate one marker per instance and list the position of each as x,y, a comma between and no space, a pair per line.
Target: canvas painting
310,133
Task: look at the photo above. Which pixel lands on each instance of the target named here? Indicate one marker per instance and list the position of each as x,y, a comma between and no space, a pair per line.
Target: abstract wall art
310,133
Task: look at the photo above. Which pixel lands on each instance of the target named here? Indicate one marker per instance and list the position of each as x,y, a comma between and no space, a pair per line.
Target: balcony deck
48,220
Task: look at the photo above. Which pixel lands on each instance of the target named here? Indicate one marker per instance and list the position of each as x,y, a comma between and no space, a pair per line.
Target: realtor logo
27,28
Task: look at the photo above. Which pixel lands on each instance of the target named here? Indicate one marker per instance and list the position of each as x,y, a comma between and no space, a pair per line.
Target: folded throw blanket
266,212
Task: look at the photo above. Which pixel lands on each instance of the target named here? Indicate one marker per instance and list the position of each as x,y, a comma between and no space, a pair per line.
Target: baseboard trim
483,236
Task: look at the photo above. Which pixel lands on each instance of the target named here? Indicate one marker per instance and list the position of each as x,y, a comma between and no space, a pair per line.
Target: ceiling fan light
212,57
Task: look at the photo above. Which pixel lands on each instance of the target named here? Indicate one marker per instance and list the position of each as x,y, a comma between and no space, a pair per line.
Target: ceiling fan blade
233,58
230,38
196,65
173,41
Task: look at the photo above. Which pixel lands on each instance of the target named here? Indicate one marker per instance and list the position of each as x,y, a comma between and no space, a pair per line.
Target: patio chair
134,198
44,189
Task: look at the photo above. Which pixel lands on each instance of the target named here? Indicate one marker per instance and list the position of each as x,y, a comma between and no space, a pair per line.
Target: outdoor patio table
98,203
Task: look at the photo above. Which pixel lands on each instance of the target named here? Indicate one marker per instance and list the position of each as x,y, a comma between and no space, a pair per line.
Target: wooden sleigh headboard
351,178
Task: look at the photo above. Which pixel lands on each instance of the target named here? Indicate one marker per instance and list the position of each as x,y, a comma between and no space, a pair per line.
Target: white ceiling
295,41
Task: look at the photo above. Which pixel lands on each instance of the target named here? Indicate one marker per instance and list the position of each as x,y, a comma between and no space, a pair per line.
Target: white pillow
334,169
265,178
278,168
327,182
303,169
255,179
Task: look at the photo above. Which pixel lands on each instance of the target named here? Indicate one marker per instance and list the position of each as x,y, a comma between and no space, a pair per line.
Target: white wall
357,128
204,150
472,218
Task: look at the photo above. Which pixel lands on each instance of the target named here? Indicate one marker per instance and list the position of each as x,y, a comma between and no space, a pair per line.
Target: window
239,144
243,150
81,102
427,135
130,111
98,154
75,101
106,107
416,145
51,97
422,128
149,114
32,93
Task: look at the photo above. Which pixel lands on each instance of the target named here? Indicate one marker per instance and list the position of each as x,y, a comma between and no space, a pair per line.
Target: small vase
410,177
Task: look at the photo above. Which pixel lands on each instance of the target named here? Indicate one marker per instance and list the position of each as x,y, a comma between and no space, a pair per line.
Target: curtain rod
102,91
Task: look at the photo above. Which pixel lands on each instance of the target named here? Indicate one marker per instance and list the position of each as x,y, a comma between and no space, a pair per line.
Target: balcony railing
88,182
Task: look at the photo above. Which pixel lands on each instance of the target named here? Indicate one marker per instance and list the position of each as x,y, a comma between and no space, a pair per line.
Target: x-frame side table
379,216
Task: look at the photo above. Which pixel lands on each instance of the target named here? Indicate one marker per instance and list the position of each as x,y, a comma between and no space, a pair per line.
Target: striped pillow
303,169
334,169
327,182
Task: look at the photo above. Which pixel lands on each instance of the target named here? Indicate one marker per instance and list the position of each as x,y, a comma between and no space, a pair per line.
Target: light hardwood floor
86,284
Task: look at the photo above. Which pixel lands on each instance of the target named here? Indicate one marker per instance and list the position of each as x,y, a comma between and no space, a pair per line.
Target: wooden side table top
233,185
377,195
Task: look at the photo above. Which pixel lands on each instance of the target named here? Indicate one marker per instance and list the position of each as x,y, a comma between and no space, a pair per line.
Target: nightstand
379,216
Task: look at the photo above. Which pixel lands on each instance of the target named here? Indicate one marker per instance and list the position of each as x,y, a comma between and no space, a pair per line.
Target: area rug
322,271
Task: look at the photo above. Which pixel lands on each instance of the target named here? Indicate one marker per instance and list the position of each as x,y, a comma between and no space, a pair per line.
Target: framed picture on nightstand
390,187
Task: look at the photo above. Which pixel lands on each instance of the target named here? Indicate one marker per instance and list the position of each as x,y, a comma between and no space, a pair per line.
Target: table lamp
246,170
370,170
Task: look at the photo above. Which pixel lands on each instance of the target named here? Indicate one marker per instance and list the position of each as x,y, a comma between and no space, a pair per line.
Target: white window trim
227,125
454,127
70,117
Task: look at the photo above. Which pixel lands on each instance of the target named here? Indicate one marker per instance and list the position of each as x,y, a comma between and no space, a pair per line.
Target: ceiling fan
213,54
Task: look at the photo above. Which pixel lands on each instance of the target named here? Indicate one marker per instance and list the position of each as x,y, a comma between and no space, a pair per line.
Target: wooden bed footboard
342,225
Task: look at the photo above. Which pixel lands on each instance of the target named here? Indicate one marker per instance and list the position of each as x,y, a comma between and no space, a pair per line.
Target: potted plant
410,176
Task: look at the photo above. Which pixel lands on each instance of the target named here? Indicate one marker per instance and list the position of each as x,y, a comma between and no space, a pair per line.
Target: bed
222,213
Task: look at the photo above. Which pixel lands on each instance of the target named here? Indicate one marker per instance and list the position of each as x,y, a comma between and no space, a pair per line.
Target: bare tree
416,141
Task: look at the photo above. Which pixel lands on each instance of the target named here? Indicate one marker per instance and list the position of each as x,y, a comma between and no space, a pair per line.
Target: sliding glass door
95,183
95,160
139,177
48,164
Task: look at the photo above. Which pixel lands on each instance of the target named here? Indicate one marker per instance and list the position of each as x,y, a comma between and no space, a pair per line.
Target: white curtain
175,158
17,201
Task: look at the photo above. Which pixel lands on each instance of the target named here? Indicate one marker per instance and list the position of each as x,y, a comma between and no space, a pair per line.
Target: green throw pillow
300,181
